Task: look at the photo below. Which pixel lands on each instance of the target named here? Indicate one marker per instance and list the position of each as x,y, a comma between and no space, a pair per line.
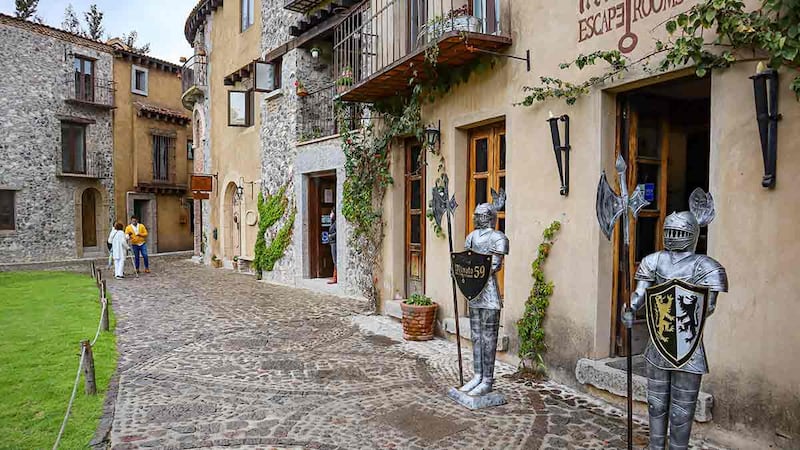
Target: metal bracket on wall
527,57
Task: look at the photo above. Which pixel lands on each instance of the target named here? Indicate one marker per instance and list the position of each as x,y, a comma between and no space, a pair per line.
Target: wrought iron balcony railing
377,46
91,91
92,167
320,115
194,79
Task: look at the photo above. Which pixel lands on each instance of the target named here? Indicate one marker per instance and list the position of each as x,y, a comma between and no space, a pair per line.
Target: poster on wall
327,196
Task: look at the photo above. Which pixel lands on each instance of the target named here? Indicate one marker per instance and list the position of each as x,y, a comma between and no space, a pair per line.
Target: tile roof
161,111
54,32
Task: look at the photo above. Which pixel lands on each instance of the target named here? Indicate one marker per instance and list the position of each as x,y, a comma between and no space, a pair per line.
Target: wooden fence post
99,276
104,318
92,268
104,289
90,387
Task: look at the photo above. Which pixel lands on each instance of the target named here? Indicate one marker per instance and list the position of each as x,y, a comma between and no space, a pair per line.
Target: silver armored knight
484,310
679,289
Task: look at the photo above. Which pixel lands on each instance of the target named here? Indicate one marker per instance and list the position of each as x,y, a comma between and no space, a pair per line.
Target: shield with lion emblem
676,315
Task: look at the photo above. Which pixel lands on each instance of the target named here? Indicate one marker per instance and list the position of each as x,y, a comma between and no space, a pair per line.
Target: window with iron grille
7,210
73,147
162,146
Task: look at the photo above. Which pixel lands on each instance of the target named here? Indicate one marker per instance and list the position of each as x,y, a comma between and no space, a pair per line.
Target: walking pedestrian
119,249
332,242
110,263
138,236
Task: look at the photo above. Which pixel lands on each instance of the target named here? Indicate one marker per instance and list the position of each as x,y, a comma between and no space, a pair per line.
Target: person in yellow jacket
138,235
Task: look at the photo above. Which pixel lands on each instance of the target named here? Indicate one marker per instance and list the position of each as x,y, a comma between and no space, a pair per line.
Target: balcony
93,167
381,44
318,115
194,80
90,91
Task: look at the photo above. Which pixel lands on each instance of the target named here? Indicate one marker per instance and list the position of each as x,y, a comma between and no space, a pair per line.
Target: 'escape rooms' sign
598,17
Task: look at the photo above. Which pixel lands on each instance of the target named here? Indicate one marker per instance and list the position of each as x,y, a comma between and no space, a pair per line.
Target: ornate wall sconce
433,135
563,164
765,90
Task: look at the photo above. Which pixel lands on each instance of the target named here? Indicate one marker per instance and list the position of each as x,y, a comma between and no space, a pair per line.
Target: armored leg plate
477,402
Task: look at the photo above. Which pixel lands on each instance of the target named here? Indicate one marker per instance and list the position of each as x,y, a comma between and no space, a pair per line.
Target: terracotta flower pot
418,321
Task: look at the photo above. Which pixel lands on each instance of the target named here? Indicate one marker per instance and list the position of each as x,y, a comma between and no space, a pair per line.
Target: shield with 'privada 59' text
471,271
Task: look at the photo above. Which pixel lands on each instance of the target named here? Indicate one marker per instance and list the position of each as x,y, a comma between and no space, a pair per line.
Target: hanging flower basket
300,89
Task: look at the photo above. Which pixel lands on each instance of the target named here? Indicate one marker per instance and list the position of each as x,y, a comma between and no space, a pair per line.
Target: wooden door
643,133
487,171
321,201
415,218
89,217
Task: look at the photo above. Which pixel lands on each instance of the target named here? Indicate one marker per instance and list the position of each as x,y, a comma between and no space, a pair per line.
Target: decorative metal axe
610,208
444,204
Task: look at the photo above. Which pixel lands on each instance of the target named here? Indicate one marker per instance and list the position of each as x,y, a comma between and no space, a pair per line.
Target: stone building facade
56,178
287,156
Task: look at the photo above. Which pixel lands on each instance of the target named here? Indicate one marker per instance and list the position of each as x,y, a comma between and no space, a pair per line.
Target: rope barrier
104,301
71,400
100,324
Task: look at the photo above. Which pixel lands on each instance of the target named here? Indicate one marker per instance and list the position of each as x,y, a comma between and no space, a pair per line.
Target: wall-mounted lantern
433,134
563,164
765,90
315,52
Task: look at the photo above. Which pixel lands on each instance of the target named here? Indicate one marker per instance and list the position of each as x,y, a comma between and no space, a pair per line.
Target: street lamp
765,91
563,166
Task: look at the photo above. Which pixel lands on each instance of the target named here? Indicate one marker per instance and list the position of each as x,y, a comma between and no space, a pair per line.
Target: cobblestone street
213,359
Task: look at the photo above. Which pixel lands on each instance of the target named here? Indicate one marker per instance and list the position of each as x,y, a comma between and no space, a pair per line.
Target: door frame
152,207
313,216
419,175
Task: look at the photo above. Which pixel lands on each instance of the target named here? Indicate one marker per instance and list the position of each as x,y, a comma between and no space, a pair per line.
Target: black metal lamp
239,190
433,134
563,165
765,90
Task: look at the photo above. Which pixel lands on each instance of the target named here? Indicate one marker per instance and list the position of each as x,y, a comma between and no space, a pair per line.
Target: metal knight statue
679,289
484,310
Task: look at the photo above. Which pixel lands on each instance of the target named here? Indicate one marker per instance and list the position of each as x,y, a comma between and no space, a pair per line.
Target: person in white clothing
119,249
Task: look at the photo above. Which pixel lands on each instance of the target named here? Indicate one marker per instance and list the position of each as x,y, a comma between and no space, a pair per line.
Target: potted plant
236,263
300,89
345,80
457,19
215,262
419,316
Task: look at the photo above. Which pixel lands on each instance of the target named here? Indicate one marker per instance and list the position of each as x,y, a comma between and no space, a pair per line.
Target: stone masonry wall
35,67
283,162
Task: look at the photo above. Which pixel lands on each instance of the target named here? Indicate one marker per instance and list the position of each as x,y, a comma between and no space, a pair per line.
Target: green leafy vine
532,345
270,210
770,33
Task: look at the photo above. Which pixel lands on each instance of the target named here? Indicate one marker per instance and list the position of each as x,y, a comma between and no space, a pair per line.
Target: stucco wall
234,151
749,338
36,67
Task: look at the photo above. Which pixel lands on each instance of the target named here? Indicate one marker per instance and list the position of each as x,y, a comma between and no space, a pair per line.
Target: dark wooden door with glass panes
415,218
666,144
321,201
487,171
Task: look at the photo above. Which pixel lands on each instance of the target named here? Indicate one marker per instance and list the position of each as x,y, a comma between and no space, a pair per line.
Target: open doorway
321,201
663,131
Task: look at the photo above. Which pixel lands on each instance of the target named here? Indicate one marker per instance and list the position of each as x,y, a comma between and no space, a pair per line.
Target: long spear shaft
455,304
623,181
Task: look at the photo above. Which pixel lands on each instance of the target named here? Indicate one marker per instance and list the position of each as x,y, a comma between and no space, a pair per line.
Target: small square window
7,221
189,150
139,80
240,108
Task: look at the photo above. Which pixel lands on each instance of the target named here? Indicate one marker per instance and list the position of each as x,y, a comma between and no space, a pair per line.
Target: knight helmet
682,229
485,215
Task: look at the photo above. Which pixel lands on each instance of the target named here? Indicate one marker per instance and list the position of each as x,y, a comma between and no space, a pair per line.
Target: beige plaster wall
133,158
750,337
234,150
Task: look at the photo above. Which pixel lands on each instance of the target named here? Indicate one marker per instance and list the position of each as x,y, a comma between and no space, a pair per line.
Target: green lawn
43,318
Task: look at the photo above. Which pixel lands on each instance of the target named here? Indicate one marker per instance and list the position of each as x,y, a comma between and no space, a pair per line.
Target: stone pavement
214,359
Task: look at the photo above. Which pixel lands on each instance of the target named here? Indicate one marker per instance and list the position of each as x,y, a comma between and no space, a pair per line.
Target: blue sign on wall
325,238
650,192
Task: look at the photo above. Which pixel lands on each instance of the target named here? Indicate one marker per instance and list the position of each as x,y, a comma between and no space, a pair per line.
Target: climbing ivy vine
366,150
530,327
270,210
770,33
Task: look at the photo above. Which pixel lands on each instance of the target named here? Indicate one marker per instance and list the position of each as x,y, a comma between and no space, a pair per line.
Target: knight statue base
477,402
